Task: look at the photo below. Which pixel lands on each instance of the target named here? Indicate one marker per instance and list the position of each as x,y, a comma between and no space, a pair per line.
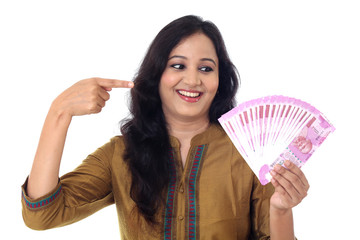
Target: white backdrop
305,49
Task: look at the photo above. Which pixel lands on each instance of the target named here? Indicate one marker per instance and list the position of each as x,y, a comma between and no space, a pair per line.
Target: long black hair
145,132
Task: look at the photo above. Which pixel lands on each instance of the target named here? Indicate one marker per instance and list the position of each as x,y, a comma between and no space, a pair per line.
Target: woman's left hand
291,186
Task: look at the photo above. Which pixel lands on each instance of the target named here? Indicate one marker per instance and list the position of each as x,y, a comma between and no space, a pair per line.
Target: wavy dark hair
145,132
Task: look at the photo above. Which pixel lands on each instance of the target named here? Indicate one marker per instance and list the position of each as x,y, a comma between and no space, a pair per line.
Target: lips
189,96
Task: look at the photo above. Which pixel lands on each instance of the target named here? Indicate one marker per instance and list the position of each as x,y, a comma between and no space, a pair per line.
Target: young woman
173,174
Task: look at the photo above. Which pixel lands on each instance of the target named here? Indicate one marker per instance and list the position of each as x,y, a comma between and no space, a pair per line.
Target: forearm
44,174
281,224
87,96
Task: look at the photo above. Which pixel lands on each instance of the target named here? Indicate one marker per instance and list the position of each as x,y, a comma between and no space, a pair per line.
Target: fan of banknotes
269,130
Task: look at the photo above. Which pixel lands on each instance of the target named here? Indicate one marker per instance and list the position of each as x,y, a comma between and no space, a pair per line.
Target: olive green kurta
214,196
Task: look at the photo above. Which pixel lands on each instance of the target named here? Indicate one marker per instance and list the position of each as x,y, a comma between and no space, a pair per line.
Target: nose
192,77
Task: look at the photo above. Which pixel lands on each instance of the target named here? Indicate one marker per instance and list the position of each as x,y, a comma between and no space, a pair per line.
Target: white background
305,49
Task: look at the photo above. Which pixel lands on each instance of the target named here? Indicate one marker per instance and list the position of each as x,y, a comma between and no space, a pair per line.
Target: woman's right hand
87,96
84,97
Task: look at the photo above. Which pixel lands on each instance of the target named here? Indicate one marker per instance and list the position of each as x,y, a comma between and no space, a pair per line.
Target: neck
187,129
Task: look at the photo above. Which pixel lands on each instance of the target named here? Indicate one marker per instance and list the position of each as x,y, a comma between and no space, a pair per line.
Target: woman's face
190,80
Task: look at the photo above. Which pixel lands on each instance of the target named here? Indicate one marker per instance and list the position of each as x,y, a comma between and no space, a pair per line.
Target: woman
174,174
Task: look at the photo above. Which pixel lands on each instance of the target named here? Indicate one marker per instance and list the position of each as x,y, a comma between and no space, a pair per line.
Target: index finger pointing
114,83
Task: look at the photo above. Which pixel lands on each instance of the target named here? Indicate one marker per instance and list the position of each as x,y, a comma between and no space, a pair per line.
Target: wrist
58,114
280,211
281,223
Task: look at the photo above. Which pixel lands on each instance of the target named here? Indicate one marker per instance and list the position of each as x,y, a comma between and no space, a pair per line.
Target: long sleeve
78,194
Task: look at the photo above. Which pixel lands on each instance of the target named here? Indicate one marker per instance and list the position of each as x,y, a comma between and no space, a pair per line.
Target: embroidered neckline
191,192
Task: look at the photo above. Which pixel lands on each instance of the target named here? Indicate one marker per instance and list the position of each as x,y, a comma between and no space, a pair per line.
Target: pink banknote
269,130
302,147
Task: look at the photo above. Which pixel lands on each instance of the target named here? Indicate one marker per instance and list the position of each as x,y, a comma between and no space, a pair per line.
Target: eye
206,69
178,66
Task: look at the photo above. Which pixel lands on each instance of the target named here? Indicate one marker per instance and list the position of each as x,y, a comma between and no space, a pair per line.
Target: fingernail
277,167
287,163
130,84
273,173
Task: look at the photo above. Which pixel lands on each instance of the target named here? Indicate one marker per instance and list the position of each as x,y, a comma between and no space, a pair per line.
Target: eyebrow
202,59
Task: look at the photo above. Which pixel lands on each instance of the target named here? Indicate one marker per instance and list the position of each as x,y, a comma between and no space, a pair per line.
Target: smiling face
190,80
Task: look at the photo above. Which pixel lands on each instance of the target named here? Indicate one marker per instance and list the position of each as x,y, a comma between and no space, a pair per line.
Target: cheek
168,80
213,86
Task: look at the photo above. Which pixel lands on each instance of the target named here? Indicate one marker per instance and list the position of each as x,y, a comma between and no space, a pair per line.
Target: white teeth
189,94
